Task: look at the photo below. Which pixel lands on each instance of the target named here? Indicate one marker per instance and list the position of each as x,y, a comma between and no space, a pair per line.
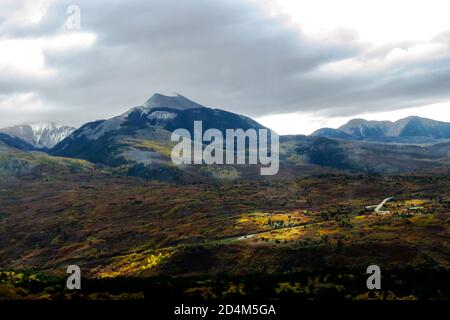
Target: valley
200,230
220,159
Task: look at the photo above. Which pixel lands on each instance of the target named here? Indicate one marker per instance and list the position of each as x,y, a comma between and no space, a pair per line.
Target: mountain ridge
41,135
140,137
138,142
412,129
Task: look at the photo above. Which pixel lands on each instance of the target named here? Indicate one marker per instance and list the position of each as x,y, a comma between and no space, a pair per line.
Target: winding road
248,236
378,208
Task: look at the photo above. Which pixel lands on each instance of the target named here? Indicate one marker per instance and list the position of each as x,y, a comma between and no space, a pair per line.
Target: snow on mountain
40,134
411,130
159,110
115,141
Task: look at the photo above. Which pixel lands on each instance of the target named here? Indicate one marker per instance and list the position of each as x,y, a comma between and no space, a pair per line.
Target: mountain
16,143
408,130
139,142
35,165
363,156
41,135
332,133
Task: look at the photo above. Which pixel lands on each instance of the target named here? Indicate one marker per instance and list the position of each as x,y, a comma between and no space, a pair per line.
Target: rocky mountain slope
139,142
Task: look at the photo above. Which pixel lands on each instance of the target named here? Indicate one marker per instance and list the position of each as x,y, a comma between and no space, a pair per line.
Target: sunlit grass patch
164,149
266,220
281,235
423,220
134,263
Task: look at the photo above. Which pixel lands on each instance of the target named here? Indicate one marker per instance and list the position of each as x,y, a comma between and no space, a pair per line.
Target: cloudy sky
294,65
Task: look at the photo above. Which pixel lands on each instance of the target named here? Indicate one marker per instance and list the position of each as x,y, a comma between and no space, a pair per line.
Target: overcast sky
294,65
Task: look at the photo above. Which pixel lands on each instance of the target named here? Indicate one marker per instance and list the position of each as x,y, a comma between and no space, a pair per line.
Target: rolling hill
364,157
35,165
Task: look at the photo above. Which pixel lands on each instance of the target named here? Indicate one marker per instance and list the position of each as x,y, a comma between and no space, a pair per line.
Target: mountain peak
39,134
45,125
170,101
167,94
410,129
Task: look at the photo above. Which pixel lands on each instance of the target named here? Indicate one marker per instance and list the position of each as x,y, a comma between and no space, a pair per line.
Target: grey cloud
227,54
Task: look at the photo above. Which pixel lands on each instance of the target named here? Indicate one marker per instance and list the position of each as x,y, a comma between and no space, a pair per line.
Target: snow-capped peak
40,134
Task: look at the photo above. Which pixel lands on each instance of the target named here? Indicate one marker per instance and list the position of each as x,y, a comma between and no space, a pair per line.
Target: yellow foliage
165,150
155,259
234,289
286,287
133,263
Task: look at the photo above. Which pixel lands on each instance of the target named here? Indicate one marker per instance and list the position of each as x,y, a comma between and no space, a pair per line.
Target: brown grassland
310,237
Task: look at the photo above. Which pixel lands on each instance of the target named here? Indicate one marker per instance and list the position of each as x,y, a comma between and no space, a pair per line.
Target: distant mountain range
41,135
138,143
409,130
